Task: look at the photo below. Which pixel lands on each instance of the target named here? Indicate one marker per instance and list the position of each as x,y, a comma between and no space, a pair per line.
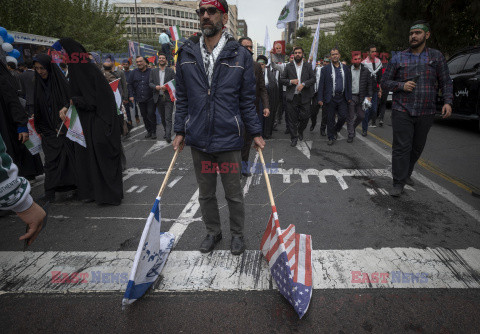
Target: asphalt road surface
338,195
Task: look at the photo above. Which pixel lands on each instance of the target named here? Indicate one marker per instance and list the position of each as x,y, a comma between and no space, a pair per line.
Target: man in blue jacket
215,101
335,92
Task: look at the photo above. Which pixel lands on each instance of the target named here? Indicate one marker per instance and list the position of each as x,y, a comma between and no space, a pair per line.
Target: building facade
156,16
242,28
328,11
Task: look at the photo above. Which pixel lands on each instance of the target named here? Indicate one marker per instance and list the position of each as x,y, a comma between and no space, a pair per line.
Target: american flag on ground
289,256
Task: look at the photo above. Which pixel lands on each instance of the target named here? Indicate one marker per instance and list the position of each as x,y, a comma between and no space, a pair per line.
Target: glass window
169,12
182,14
159,10
456,64
132,10
473,63
142,10
178,13
144,20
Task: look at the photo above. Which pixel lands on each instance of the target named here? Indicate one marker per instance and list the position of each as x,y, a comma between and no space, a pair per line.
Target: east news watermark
392,277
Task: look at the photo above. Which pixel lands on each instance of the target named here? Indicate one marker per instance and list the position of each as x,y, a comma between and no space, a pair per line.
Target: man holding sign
159,77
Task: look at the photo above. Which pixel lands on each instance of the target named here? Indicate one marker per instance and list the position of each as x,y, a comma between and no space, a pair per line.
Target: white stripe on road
429,268
137,128
429,183
303,147
174,182
120,218
158,146
142,189
185,218
132,189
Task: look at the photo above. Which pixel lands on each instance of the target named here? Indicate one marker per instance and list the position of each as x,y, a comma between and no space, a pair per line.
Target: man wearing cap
414,76
215,105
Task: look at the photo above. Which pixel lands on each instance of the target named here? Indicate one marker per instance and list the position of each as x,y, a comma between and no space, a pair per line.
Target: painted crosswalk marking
158,146
132,189
174,182
141,189
412,268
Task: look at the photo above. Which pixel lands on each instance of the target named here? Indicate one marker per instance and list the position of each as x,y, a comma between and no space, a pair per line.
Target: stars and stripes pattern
289,256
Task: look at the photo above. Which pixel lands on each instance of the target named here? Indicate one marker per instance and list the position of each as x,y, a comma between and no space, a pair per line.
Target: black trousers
298,114
337,105
314,109
409,138
147,109
165,108
382,106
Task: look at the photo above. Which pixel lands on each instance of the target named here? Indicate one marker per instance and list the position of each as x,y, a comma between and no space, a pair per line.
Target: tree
94,23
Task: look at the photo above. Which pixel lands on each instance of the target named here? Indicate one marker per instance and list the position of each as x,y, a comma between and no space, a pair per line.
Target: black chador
13,119
50,96
99,165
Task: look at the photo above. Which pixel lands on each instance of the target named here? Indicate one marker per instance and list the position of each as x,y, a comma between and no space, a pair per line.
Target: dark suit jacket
28,85
325,89
155,81
365,83
261,90
307,78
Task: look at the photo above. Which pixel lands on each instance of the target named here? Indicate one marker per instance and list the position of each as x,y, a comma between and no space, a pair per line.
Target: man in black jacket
299,79
361,89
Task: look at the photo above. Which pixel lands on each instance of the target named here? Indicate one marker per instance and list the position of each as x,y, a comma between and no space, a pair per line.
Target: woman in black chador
99,165
13,127
50,96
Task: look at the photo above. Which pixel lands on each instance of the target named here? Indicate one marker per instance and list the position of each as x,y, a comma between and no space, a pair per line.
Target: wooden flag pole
269,187
167,176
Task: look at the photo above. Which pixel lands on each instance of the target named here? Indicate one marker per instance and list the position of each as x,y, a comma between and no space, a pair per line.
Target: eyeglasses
210,10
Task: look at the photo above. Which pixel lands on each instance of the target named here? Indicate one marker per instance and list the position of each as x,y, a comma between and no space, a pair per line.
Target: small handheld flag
34,142
152,251
75,130
289,257
175,32
116,93
171,90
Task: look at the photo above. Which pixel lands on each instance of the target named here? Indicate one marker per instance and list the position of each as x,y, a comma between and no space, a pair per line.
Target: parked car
464,68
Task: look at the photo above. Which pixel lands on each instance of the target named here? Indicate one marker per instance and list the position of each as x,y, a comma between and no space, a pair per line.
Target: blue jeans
370,112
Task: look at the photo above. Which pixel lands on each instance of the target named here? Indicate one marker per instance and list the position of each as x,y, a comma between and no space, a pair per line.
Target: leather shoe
294,143
300,136
312,127
323,133
396,191
330,142
237,246
148,135
154,136
364,133
409,181
350,140
208,244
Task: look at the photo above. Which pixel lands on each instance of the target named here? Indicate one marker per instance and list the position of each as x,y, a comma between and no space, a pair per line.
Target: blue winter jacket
213,119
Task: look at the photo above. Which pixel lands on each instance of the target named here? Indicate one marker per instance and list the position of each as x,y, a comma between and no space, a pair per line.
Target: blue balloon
14,53
9,39
3,32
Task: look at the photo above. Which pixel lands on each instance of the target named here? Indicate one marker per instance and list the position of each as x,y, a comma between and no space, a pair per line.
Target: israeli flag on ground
152,253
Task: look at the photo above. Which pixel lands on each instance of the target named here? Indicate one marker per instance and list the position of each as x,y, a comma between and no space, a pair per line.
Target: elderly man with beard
215,101
414,76
299,79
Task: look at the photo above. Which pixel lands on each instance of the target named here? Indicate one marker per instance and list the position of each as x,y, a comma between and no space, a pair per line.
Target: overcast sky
258,14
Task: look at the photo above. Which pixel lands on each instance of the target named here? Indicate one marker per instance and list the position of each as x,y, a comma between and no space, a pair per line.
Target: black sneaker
350,140
208,244
293,143
237,246
330,142
409,181
154,136
148,135
364,133
323,133
396,191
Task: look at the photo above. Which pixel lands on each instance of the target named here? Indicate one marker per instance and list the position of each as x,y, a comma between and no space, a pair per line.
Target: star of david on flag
152,253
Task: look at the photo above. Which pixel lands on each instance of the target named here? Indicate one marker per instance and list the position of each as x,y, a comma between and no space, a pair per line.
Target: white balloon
1,40
12,59
7,47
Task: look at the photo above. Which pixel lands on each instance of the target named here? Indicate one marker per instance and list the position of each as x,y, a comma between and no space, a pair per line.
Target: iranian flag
175,32
171,90
75,130
118,97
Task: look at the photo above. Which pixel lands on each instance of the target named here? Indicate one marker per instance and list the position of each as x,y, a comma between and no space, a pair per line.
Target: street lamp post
136,21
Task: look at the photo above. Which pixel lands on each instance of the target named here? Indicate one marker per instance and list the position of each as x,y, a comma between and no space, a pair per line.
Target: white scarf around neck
368,64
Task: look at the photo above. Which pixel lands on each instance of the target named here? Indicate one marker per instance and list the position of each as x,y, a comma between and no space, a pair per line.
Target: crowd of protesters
225,102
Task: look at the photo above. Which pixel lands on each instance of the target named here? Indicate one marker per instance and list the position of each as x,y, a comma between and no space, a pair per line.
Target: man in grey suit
299,79
158,78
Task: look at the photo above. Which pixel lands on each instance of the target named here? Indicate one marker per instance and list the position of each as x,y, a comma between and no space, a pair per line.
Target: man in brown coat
261,103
